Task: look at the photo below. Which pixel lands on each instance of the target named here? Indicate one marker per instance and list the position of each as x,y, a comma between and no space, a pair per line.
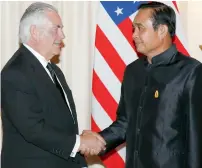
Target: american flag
114,50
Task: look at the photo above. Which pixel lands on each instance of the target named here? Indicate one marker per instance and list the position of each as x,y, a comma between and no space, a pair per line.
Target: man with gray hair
40,128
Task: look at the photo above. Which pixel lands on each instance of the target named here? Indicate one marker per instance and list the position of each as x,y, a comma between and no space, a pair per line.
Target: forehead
54,18
143,16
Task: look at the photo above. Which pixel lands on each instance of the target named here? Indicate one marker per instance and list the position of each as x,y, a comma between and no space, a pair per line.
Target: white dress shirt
44,63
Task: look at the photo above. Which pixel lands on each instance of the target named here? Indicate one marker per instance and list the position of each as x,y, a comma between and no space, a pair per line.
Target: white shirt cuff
76,146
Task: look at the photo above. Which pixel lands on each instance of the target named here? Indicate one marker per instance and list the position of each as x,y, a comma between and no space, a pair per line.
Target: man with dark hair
160,110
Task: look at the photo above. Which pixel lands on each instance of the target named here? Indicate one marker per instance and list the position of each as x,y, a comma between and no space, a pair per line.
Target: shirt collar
165,57
41,59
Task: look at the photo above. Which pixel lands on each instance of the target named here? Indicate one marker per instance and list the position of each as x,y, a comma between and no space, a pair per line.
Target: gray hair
35,14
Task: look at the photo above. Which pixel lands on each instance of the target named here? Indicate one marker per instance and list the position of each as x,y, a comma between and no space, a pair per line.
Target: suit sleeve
115,134
195,119
23,108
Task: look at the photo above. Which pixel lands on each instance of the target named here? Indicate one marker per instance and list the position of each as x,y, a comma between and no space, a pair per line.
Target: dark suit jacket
38,129
160,113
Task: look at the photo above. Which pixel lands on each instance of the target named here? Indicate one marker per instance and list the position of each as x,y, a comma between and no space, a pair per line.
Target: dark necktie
57,84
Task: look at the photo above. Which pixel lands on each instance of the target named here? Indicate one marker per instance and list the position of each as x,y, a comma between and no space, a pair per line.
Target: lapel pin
156,94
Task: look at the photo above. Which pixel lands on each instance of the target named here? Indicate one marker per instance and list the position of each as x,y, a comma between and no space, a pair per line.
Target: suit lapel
41,75
67,91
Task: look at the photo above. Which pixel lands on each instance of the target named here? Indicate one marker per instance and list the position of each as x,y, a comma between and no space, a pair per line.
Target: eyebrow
137,24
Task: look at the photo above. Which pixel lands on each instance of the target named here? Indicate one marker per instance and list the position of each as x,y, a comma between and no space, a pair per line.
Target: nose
135,34
62,35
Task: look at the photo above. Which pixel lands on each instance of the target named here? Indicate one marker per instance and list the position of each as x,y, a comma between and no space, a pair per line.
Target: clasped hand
91,143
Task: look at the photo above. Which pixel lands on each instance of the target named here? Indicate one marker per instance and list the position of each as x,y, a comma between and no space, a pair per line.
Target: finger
101,145
100,142
92,152
98,150
95,151
100,138
87,152
82,150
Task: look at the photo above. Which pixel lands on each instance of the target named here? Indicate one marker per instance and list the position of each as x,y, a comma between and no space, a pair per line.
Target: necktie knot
54,77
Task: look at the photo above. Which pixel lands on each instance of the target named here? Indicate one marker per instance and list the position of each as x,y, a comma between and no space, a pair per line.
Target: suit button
138,130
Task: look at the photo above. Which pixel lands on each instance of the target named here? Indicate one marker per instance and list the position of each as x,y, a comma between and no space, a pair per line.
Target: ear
162,31
34,32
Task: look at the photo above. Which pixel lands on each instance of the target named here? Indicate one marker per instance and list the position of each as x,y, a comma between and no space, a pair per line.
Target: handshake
91,143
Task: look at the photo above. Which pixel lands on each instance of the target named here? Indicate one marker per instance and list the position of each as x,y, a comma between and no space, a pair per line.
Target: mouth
137,43
58,44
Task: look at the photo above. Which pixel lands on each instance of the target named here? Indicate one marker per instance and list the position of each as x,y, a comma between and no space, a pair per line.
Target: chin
57,52
139,50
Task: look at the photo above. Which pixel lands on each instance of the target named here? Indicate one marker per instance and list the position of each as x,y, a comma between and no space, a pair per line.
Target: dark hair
162,14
